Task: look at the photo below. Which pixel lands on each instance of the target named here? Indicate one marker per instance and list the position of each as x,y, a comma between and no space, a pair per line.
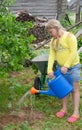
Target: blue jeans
74,72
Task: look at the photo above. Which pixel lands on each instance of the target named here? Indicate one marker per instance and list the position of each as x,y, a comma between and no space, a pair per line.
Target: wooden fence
42,8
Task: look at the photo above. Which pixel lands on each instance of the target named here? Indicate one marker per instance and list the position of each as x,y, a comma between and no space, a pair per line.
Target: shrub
14,43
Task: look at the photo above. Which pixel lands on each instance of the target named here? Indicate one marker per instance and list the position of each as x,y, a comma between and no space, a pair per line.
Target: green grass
47,105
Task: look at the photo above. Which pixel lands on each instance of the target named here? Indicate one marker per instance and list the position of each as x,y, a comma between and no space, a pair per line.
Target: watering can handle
67,75
49,79
58,73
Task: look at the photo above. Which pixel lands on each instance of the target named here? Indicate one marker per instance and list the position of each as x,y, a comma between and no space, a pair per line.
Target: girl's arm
72,42
51,58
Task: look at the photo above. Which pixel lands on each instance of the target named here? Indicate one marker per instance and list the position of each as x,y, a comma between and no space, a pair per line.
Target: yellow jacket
65,54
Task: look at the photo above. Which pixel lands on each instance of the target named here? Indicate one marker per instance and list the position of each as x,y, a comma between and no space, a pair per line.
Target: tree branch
74,25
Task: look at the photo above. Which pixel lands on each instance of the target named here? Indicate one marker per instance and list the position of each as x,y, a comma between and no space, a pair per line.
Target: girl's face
53,32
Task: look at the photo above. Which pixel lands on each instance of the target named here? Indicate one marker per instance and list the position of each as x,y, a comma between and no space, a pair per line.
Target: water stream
22,98
32,104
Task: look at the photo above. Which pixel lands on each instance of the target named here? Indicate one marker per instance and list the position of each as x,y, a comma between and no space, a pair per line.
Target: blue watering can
60,86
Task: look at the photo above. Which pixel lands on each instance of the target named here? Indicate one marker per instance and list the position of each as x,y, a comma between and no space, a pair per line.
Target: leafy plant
14,43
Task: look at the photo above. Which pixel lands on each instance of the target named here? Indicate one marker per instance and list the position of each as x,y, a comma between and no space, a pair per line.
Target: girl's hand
64,70
50,75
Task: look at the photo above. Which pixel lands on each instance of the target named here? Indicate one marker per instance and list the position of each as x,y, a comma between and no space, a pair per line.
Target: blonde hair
53,23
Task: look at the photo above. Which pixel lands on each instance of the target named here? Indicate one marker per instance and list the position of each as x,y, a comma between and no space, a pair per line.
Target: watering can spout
34,91
46,92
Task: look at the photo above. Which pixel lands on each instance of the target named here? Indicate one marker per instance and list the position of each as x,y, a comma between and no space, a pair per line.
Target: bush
14,43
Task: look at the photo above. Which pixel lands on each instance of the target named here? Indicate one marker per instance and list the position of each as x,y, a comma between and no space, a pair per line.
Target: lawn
36,112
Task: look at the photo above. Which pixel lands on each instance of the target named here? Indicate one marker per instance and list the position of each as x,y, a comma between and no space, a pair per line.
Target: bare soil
25,114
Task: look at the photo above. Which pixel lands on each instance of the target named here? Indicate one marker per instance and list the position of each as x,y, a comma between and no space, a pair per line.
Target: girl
63,49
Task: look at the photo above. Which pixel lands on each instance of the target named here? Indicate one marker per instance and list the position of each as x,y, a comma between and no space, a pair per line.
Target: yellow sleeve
51,58
72,42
